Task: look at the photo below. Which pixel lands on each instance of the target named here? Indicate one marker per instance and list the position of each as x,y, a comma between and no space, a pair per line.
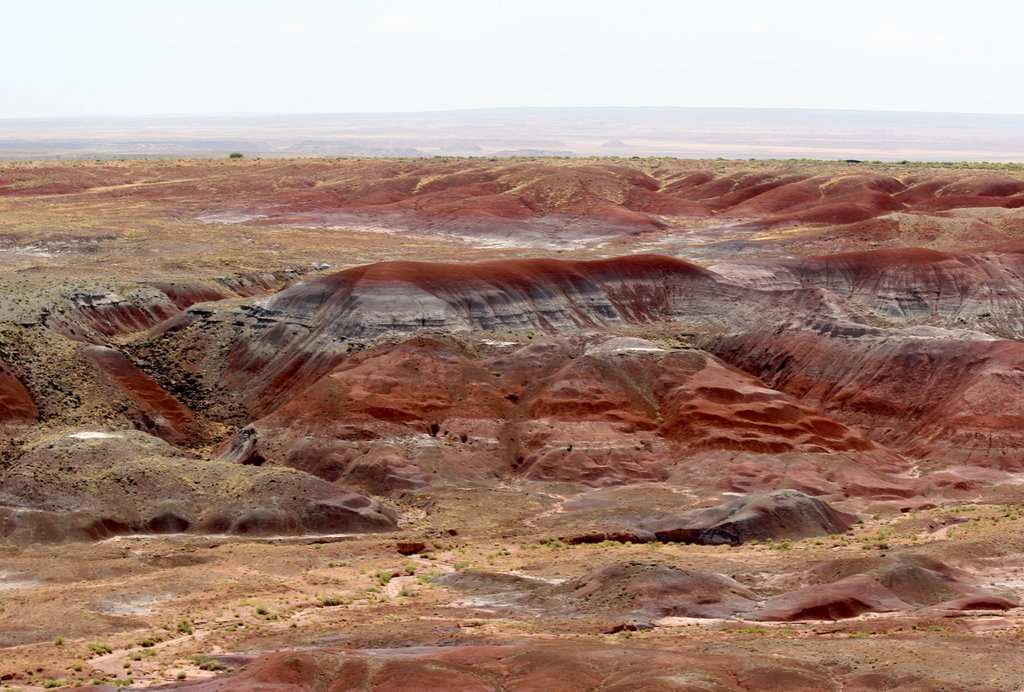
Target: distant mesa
614,144
525,153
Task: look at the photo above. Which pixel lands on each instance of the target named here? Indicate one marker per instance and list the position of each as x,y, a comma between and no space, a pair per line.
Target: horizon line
479,109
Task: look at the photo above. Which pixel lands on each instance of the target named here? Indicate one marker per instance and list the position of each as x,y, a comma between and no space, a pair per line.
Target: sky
65,58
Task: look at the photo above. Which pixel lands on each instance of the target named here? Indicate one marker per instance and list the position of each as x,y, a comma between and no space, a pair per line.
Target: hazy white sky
137,57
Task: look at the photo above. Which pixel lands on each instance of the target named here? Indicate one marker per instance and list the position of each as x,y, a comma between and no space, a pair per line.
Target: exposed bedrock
106,311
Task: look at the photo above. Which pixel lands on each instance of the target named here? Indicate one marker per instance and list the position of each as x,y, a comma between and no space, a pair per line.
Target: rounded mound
654,590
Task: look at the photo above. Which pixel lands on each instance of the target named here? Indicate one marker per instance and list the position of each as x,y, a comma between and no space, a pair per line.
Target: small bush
100,649
204,662
236,155
332,601
185,626
59,641
54,682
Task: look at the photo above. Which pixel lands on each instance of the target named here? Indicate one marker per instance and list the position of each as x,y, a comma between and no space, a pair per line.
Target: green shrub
236,155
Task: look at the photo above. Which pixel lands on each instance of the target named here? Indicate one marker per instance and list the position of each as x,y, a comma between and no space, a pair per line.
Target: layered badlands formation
634,405
881,375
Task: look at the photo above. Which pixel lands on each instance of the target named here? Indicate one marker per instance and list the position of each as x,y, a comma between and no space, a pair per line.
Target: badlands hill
343,422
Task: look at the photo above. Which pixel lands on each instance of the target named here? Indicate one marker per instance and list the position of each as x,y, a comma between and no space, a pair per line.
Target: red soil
949,401
154,410
482,196
522,666
527,274
15,402
548,411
